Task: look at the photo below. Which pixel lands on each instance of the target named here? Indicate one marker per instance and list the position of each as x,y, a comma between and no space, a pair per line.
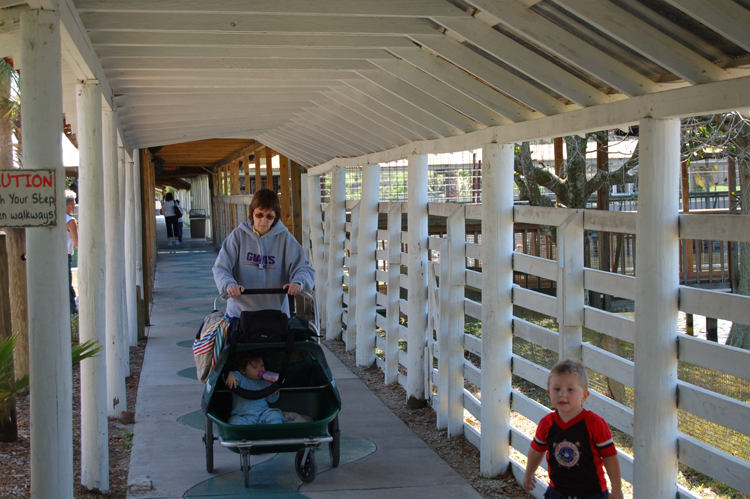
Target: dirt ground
15,475
461,455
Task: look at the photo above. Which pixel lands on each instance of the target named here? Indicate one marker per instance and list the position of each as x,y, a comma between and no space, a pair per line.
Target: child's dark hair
570,366
246,357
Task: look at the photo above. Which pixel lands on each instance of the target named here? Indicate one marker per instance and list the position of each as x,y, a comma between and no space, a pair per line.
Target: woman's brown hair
266,199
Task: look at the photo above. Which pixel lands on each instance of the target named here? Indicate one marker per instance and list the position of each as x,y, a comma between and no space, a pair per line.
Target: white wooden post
316,240
351,324
51,384
392,313
116,395
455,289
337,212
366,265
570,292
443,334
124,334
324,263
417,293
136,172
657,291
91,289
497,307
130,259
305,195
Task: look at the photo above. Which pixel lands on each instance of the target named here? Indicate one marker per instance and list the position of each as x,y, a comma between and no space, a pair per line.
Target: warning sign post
27,198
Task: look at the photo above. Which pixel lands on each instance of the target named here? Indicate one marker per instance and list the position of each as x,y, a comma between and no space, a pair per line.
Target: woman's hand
293,288
235,291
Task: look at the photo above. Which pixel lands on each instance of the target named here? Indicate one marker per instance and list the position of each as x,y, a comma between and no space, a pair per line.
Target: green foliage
9,386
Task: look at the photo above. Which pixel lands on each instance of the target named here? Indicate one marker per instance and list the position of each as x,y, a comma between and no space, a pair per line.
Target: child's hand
616,494
231,380
528,482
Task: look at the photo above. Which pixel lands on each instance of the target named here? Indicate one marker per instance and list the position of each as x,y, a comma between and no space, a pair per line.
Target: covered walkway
380,455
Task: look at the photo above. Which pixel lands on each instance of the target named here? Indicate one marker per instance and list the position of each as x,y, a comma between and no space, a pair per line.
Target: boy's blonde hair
570,366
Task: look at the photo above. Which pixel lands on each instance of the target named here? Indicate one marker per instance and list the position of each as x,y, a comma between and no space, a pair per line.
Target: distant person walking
72,226
168,210
179,221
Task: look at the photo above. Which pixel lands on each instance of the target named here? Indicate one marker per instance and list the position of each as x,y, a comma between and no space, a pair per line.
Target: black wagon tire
306,471
334,447
245,464
208,441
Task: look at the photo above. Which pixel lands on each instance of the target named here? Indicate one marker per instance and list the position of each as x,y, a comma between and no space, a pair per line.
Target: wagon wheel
245,464
306,471
334,448
208,441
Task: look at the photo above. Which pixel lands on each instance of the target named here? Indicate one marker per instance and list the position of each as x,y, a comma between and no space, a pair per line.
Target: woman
262,254
167,209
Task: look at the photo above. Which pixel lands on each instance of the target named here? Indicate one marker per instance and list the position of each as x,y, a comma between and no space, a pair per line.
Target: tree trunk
739,336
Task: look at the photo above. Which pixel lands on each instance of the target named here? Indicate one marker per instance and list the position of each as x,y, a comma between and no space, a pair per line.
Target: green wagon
309,389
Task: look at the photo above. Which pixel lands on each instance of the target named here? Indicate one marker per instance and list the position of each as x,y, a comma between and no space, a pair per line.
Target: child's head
251,364
568,387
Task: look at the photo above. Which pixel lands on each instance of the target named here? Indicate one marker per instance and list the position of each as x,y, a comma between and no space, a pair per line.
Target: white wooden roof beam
150,51
556,40
358,98
207,109
148,140
266,120
235,98
230,64
247,40
207,91
647,40
505,81
198,115
120,75
525,60
279,144
328,136
330,107
253,23
10,19
329,8
342,127
444,93
198,128
457,78
405,107
314,144
197,87
726,17
295,142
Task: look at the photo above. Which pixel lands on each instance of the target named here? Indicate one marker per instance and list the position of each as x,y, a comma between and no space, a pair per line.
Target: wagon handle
275,291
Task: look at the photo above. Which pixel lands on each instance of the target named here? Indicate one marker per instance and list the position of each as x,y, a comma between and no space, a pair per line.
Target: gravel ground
461,455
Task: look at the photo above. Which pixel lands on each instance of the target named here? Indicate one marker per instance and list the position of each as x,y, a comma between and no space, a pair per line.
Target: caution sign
27,198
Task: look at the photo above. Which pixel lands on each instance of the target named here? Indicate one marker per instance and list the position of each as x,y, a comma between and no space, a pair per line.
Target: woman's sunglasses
260,216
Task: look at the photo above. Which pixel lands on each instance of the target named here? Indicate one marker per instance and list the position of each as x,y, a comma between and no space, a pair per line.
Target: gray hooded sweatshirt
268,261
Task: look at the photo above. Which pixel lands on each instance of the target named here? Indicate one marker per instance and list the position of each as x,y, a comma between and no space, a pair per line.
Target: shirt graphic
256,260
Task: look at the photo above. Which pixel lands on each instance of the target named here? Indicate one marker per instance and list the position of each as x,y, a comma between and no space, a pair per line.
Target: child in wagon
250,376
578,443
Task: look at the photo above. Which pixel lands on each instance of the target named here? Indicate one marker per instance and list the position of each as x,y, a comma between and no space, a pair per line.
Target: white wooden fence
368,302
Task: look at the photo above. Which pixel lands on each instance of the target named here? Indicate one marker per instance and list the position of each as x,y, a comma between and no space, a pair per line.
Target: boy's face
253,369
567,395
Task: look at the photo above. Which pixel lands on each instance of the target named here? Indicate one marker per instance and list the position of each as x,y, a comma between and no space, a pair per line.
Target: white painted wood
608,283
724,467
125,331
46,270
647,40
326,255
499,78
530,371
473,279
538,302
473,250
131,308
150,51
497,309
714,227
381,275
609,221
337,212
473,309
528,264
310,117
316,256
333,109
570,288
616,414
523,59
735,308
657,287
455,288
366,299
536,334
394,293
604,362
519,471
528,408
563,44
444,93
460,81
417,277
725,17
472,374
722,358
91,289
715,407
136,172
611,324
473,344
472,405
540,215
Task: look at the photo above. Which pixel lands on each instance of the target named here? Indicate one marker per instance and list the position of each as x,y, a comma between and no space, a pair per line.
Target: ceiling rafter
345,127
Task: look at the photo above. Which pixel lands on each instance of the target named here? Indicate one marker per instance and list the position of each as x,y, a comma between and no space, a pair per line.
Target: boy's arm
535,459
612,465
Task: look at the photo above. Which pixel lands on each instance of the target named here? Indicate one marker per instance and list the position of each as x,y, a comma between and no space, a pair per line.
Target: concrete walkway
381,457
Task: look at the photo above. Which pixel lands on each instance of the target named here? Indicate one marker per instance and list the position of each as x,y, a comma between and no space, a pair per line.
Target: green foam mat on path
276,478
185,343
189,373
195,419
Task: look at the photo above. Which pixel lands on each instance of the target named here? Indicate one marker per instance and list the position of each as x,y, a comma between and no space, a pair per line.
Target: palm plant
10,104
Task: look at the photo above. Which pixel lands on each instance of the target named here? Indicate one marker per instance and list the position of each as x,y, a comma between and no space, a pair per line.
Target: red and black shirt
574,452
